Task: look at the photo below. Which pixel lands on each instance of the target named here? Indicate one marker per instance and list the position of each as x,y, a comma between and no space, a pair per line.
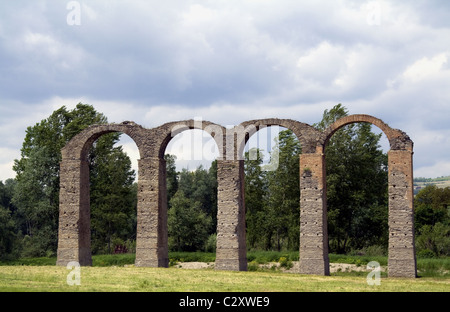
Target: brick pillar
231,253
74,235
152,233
313,215
402,257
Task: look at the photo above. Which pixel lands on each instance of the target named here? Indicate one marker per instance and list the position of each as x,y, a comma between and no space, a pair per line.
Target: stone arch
74,239
151,241
401,258
152,229
78,146
231,241
169,130
306,134
398,140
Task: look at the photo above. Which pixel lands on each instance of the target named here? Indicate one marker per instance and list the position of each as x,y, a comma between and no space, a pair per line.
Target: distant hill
420,183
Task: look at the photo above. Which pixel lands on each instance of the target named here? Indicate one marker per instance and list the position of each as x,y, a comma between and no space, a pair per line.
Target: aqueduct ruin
152,238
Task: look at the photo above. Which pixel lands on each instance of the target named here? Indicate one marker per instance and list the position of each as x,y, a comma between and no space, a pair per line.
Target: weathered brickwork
152,238
401,215
313,216
231,244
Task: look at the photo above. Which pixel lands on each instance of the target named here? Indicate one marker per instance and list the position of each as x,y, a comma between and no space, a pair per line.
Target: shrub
210,245
285,263
252,266
434,238
425,253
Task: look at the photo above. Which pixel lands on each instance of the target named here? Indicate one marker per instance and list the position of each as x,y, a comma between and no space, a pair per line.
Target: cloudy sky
229,61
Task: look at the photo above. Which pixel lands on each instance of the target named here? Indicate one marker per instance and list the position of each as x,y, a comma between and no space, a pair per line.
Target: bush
425,253
252,266
210,245
434,238
370,251
285,263
183,256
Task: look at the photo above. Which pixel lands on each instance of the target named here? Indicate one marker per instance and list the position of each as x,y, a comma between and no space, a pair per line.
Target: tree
36,194
255,194
113,198
272,197
284,192
201,186
188,224
431,206
192,202
8,234
432,220
37,202
356,185
171,176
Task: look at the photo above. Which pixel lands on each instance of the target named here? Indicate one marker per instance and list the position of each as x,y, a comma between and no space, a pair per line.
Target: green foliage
356,185
435,239
284,193
356,190
211,243
425,253
263,257
433,267
116,260
188,224
171,176
8,236
357,259
432,221
432,205
36,193
113,196
255,194
201,186
373,250
431,180
192,202
272,197
198,256
285,263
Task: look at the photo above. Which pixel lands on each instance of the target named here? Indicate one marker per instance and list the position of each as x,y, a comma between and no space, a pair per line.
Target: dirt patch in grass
334,267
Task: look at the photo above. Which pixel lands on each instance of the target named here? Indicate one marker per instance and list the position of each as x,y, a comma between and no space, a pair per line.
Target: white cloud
7,156
322,63
438,169
229,61
425,68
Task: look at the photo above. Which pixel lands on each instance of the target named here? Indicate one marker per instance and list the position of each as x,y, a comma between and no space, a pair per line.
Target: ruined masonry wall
152,233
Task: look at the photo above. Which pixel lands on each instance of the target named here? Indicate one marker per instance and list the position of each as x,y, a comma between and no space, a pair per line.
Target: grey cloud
271,57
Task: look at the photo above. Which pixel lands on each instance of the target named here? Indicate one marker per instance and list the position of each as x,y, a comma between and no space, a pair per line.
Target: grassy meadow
116,273
133,279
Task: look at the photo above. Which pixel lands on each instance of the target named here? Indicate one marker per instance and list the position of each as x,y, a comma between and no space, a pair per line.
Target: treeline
356,191
357,195
192,204
432,221
439,179
29,207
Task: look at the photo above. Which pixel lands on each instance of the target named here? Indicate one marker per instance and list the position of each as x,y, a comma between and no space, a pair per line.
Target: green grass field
133,279
116,273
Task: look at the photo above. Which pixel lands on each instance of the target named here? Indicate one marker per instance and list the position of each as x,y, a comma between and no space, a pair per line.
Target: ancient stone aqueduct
152,239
